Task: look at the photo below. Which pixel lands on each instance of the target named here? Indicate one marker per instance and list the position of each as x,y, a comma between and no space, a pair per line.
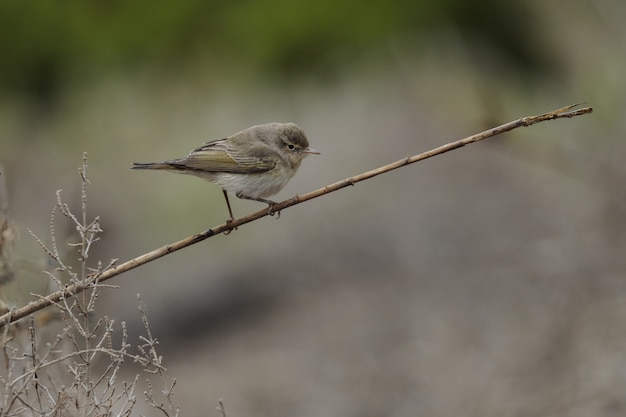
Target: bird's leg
270,203
230,212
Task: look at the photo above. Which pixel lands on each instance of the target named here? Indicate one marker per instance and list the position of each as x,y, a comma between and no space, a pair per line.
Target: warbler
252,164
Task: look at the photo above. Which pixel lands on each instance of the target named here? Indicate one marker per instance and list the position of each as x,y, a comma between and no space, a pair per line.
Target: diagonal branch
78,287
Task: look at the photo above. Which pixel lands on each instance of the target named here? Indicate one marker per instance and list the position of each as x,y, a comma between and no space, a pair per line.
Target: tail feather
150,165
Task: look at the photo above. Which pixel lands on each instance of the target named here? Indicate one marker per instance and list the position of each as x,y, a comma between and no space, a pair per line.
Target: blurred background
489,281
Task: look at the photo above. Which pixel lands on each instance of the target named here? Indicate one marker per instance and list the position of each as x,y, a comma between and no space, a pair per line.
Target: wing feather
219,156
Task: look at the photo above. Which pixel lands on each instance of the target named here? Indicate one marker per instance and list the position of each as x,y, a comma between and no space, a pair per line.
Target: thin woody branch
78,287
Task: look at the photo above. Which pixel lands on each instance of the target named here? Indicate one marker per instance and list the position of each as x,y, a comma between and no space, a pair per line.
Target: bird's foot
271,211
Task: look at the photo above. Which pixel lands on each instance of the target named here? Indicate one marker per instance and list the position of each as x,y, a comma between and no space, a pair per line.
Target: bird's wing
218,156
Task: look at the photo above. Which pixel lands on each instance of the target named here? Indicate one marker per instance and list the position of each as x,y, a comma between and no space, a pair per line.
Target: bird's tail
150,165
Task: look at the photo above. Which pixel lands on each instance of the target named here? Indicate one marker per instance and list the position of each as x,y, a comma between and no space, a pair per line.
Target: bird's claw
228,222
272,212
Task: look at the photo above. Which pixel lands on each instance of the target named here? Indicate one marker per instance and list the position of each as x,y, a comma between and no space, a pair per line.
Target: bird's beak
311,150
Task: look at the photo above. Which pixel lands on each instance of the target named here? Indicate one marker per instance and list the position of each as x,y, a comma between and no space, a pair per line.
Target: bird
252,164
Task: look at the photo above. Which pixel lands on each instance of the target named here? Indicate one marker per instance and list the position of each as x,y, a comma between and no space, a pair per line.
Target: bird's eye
291,147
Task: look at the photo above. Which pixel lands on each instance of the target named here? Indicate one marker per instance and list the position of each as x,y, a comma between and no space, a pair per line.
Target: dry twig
98,277
56,376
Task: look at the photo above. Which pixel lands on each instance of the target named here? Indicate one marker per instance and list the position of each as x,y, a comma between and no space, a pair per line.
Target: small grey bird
252,164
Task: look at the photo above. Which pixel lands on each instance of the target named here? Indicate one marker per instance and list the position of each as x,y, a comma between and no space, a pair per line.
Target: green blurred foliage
45,44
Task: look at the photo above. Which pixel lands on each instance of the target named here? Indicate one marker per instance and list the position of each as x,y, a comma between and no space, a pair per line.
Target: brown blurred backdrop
486,282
